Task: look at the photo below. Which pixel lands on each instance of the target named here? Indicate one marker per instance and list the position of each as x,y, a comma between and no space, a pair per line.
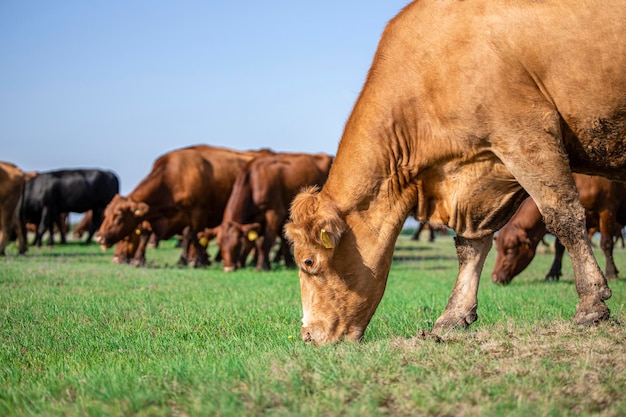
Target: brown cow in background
132,249
129,247
186,187
259,205
516,243
12,181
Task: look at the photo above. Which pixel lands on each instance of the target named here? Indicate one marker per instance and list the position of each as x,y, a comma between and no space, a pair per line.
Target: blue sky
116,84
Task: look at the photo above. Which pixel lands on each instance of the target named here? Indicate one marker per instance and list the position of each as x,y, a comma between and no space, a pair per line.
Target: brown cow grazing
186,187
468,108
132,249
259,205
516,243
12,181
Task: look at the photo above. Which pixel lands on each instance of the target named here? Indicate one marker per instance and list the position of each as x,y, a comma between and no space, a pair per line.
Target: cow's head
121,218
339,291
235,241
514,251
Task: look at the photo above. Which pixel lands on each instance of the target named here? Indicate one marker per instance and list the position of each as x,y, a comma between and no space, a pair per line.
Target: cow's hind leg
540,164
461,308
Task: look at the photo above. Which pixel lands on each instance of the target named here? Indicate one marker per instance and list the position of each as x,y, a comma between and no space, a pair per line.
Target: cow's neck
529,218
371,183
155,194
240,205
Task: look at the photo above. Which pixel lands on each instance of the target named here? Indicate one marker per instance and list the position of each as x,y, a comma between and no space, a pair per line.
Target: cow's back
199,176
498,59
81,190
276,179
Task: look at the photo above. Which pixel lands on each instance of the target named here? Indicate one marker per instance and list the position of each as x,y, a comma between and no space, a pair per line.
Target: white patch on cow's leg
462,304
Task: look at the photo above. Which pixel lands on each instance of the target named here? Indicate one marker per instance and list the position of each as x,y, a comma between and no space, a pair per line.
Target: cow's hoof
591,314
552,278
449,322
138,263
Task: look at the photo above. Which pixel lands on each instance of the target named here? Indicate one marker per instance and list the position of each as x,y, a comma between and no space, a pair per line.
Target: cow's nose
500,279
229,268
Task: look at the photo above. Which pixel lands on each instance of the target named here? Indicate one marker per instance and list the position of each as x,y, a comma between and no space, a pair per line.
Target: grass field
82,336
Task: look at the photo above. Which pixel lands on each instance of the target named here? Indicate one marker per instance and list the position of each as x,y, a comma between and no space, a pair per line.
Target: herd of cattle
241,199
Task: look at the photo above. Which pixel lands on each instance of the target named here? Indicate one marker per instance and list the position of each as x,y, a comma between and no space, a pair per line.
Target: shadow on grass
535,282
65,250
422,258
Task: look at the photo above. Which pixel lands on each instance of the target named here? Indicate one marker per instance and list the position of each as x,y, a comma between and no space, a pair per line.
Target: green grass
82,336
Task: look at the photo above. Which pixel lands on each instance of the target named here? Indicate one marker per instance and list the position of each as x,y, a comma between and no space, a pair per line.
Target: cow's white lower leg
461,308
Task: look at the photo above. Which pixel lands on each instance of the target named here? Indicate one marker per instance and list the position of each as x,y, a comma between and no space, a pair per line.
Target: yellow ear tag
252,235
137,232
203,242
326,239
137,213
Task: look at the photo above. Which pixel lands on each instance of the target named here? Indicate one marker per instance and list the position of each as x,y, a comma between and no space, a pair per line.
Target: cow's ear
314,220
327,242
330,235
291,232
141,209
209,233
251,231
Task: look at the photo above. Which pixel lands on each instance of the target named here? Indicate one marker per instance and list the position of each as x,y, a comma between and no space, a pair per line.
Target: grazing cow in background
439,133
132,248
12,181
516,243
259,205
50,194
186,187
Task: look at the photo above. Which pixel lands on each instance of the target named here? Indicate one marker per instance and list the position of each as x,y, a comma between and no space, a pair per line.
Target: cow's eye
310,264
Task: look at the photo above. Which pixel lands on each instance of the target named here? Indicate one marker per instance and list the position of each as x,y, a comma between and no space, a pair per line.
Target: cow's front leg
461,308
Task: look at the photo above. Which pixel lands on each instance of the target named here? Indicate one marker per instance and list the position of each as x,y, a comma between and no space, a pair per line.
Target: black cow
72,190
